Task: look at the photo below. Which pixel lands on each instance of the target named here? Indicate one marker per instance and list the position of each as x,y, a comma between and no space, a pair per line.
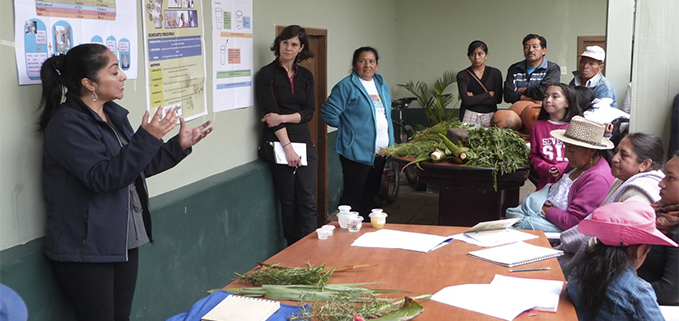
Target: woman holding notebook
604,285
286,96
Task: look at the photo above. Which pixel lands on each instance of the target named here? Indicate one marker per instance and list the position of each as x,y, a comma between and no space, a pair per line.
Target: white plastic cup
343,218
322,233
355,224
329,228
378,219
344,208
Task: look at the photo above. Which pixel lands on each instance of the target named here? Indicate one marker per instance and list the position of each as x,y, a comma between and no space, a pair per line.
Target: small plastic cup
344,208
343,218
355,224
378,219
329,228
322,233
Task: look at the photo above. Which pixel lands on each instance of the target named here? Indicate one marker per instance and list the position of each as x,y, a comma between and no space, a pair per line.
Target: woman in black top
479,86
286,95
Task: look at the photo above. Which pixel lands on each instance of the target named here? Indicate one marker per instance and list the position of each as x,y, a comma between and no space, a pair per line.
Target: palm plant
434,101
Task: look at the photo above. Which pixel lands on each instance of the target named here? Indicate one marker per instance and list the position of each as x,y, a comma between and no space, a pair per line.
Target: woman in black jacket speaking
94,170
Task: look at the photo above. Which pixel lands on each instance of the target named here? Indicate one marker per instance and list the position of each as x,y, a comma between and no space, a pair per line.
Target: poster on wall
44,28
175,56
232,56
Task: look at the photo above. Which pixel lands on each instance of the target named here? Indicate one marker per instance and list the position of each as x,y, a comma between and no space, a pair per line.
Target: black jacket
86,174
547,73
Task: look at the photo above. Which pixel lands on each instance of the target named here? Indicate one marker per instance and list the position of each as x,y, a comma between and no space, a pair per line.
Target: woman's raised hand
159,127
191,136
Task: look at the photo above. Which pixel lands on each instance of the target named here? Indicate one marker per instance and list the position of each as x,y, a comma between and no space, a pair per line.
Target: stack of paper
516,254
493,233
505,297
391,239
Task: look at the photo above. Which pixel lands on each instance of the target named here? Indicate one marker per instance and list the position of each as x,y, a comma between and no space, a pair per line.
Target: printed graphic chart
47,28
232,55
102,9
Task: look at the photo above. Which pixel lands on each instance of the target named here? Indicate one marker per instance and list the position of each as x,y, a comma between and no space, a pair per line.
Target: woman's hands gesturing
160,127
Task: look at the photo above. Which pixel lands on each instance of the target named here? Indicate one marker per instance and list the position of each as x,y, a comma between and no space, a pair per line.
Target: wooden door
319,132
584,41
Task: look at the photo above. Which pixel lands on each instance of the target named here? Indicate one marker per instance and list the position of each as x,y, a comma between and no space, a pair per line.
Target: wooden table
419,273
467,195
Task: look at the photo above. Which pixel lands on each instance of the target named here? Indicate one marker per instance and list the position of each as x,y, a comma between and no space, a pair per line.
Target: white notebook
300,149
516,254
240,308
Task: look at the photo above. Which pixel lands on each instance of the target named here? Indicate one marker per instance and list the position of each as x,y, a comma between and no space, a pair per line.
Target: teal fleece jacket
350,109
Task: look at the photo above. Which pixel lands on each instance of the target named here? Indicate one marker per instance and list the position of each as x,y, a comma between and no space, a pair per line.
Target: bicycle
389,184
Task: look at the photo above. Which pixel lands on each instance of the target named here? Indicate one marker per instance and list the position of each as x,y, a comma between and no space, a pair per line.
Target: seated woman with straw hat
577,193
604,285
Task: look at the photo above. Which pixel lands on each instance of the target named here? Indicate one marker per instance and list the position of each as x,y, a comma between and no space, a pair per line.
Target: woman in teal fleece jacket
360,107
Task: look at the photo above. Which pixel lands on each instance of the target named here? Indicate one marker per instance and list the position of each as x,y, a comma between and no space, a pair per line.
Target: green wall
204,232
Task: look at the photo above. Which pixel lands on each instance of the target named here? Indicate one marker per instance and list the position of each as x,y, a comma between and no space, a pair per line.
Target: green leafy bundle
499,148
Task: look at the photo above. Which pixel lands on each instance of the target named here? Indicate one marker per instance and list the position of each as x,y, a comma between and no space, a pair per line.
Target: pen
527,270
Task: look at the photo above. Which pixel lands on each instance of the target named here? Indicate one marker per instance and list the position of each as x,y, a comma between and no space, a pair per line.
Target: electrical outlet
564,70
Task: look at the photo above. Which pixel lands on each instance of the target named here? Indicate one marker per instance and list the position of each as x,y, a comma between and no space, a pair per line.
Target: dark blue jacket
86,174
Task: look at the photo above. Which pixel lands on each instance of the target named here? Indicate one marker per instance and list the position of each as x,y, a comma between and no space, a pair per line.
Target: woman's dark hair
291,32
572,99
359,51
647,146
600,265
477,44
66,72
585,97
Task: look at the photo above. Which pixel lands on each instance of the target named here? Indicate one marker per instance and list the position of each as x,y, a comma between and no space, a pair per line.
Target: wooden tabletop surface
419,273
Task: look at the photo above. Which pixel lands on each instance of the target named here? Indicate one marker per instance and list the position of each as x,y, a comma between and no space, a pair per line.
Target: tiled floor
421,207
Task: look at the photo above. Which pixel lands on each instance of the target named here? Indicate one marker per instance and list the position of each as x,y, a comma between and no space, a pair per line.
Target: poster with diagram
232,56
44,28
175,56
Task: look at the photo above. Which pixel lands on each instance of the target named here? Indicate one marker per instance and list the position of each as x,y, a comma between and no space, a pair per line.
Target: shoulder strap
477,79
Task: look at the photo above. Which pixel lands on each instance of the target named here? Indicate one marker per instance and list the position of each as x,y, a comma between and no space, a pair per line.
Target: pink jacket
586,194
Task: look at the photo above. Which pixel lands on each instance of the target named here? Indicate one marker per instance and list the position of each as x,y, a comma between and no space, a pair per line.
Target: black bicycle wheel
390,182
411,176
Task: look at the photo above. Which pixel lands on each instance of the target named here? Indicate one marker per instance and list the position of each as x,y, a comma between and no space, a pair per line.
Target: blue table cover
200,308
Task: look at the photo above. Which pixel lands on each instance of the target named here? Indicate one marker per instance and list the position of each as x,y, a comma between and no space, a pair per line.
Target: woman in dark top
480,86
94,172
286,96
661,267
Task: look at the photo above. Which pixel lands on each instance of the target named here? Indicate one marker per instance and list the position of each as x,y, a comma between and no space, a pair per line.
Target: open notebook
516,254
240,308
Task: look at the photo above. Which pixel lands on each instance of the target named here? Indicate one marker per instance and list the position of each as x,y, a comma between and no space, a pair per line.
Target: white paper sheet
545,293
494,237
300,149
505,297
391,239
485,299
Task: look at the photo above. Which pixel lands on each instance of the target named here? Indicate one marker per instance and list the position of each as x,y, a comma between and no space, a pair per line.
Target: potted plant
434,101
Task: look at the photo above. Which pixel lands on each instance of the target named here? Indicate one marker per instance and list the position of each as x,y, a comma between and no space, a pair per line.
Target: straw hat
624,224
584,133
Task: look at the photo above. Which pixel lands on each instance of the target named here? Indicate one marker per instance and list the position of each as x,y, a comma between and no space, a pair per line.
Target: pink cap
623,224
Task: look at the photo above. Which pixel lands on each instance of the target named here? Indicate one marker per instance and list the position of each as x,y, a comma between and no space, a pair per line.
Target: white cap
594,52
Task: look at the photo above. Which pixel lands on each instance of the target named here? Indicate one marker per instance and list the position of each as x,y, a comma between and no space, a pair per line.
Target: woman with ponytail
94,171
